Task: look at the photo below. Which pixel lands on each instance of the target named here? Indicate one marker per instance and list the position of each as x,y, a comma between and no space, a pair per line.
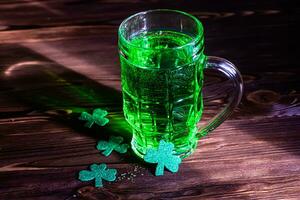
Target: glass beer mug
162,63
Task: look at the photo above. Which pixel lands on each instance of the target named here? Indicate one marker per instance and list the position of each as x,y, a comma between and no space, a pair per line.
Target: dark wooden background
59,58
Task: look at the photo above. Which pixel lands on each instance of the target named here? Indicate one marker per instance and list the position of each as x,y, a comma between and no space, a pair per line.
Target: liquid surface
161,40
162,90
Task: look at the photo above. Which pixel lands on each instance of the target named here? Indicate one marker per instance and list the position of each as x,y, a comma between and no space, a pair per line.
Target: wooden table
59,58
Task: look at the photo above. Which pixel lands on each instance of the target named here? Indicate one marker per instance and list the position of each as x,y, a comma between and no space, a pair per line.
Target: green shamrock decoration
97,117
114,143
164,157
98,172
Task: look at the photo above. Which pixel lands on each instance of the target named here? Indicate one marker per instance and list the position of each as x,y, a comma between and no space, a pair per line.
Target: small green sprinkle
164,157
114,143
98,172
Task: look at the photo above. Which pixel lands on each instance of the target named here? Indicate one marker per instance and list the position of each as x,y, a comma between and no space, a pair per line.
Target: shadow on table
49,88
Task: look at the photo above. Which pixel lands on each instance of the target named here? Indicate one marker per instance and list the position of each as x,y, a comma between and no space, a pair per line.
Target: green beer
162,64
162,90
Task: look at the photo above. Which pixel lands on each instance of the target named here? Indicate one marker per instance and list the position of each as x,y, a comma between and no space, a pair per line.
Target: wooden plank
62,12
238,160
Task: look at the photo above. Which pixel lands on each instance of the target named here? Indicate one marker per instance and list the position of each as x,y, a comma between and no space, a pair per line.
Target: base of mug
183,152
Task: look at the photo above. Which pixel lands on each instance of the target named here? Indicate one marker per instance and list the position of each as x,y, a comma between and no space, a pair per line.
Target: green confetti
114,143
164,157
97,117
98,172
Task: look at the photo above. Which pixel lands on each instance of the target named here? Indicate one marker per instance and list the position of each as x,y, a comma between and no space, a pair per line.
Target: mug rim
195,39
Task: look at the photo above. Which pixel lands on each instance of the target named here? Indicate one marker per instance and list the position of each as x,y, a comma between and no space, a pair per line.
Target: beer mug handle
229,70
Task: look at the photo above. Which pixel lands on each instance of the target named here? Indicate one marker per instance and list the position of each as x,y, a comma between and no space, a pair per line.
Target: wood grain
59,58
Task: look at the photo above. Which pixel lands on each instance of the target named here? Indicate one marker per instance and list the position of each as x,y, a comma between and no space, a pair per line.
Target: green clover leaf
98,172
97,117
114,143
164,157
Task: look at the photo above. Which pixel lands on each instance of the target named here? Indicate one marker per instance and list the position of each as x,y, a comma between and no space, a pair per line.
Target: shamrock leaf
98,172
97,117
164,157
114,143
